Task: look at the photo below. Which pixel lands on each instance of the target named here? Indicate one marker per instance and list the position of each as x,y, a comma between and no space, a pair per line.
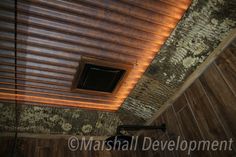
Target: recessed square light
100,78
96,76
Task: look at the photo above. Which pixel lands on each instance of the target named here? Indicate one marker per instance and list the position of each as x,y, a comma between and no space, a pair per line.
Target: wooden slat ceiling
52,36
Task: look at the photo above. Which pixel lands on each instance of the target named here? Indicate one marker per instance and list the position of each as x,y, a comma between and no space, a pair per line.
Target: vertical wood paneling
204,113
188,124
206,117
190,129
206,110
166,152
226,65
222,99
57,147
173,128
180,103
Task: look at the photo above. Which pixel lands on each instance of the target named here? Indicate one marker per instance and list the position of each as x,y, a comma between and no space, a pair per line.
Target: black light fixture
122,139
99,78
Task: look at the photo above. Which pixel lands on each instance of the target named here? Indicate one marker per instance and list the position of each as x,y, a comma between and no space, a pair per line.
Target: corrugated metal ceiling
52,36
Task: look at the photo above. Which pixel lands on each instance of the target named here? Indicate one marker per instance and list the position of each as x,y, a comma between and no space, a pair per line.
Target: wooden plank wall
206,110
51,147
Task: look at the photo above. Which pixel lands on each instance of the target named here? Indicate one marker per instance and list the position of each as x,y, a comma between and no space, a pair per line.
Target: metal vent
100,78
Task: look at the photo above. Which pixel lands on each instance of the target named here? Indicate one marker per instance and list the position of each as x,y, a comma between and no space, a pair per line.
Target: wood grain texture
222,99
190,129
48,147
206,110
180,103
208,121
173,129
226,65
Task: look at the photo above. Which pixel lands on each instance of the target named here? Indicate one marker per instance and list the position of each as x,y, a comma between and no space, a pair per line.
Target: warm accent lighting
46,64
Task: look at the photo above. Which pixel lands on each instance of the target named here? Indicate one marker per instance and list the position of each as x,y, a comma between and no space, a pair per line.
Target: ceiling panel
53,36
